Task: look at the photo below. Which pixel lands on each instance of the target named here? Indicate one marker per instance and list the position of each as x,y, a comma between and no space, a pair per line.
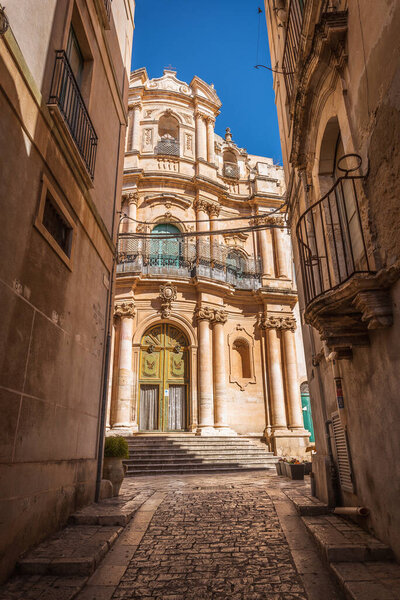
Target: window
168,132
165,253
231,168
75,57
55,223
236,263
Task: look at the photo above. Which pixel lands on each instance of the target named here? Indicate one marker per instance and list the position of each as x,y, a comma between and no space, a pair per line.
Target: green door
165,253
307,416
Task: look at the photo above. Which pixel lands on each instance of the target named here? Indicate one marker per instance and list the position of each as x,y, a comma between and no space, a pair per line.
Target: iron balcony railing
187,259
231,170
65,93
331,240
291,48
169,147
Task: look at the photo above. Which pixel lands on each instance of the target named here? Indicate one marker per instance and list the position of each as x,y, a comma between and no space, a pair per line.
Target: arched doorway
164,379
168,252
306,407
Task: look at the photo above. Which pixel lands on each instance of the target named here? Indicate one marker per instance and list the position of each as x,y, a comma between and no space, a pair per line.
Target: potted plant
295,469
115,449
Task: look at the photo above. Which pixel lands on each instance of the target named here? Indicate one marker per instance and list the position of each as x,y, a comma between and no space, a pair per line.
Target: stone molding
282,323
376,308
168,293
124,309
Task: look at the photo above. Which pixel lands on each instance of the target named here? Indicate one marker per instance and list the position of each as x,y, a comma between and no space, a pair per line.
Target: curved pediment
169,83
168,200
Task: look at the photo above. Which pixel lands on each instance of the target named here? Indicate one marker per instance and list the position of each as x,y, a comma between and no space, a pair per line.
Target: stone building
63,111
204,331
337,85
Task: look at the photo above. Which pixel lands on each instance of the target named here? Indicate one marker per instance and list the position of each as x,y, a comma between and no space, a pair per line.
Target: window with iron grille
57,226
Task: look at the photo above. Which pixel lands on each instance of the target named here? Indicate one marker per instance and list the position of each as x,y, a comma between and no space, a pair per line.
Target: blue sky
216,40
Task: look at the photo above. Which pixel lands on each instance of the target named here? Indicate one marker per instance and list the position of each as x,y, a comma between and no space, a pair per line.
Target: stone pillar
292,382
266,249
205,381
276,387
125,310
132,206
219,371
136,128
280,253
203,224
215,241
210,139
201,141
110,377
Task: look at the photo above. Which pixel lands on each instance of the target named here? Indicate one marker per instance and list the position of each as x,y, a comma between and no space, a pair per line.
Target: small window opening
57,226
75,57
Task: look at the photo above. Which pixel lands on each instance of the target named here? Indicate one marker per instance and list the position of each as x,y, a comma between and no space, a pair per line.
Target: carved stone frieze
168,293
124,309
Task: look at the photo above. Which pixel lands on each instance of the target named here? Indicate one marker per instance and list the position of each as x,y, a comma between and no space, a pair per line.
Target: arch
229,156
168,252
331,149
241,366
168,125
236,262
174,318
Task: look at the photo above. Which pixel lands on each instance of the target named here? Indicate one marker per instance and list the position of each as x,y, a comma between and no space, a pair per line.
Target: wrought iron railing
169,147
65,93
331,239
231,170
187,259
291,49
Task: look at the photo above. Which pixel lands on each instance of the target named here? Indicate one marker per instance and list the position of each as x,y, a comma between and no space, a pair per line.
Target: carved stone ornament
214,210
133,198
287,323
220,316
204,313
201,204
124,309
269,220
168,293
376,308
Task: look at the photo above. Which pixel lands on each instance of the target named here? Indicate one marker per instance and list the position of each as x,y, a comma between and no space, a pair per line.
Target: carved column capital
201,204
209,120
269,220
204,313
124,309
214,210
199,115
283,323
220,316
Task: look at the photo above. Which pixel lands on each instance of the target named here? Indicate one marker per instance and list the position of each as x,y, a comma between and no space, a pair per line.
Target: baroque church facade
204,336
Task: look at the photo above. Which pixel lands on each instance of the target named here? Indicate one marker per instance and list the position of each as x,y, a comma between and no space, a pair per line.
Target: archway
164,379
168,252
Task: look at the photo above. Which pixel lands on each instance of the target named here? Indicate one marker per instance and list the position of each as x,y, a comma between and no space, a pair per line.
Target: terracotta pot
114,470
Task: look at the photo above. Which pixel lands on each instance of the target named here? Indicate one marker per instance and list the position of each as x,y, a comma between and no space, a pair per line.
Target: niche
241,357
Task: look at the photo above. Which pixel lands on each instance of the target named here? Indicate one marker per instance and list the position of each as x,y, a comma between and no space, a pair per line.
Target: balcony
291,48
231,170
176,258
65,95
167,146
343,293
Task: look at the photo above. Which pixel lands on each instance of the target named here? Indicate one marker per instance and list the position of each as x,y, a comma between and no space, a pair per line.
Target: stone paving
217,536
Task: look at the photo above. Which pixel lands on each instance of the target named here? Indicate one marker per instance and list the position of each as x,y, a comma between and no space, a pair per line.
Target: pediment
168,200
169,83
204,90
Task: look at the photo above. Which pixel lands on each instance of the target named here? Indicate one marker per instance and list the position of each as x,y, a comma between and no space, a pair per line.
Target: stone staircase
187,453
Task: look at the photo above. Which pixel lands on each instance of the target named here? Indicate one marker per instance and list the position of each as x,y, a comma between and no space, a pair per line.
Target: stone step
198,460
368,580
198,453
206,469
342,540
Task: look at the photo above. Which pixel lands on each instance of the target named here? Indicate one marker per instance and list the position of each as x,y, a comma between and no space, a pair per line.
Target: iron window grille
57,226
231,170
291,48
66,95
331,239
168,146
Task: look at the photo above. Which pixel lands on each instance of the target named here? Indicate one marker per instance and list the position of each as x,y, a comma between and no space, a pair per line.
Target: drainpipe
104,388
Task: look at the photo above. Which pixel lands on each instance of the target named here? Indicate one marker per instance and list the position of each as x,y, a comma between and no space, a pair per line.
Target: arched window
241,359
165,253
231,168
168,135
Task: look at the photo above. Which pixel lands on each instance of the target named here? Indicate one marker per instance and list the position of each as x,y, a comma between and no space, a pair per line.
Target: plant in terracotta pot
115,450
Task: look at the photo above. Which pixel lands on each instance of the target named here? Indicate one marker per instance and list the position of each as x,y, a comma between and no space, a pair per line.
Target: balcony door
165,253
163,379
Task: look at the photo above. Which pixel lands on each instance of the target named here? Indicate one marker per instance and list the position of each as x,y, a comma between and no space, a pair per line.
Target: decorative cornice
124,309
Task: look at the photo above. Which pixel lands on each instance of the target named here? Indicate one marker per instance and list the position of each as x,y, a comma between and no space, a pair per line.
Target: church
205,338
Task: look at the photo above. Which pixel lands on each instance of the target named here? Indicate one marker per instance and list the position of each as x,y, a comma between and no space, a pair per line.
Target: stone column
210,139
292,382
132,206
205,381
125,310
110,377
136,128
215,241
203,224
266,248
219,371
201,141
280,253
276,387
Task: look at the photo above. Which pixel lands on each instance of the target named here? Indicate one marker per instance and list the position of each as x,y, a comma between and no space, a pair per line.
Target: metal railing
187,259
291,48
169,147
231,170
65,93
331,240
